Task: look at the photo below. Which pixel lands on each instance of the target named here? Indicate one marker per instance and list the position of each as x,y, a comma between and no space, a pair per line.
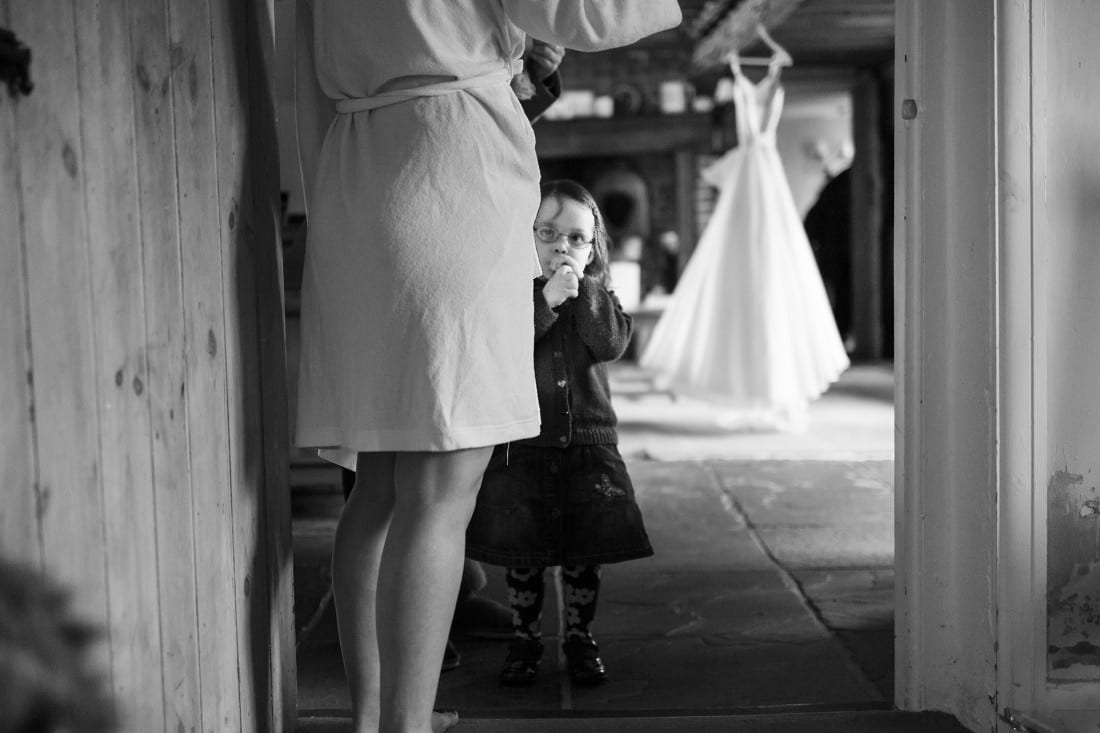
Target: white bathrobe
416,320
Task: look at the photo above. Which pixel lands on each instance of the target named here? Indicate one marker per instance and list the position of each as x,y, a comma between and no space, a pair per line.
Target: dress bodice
757,107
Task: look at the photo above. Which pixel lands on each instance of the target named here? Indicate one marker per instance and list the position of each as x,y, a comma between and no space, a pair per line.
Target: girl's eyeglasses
550,235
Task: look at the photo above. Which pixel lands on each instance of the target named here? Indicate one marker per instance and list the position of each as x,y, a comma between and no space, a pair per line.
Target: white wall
1050,405
1068,232
814,121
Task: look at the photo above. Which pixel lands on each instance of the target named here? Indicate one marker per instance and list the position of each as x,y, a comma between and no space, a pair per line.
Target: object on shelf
702,104
628,99
673,97
603,106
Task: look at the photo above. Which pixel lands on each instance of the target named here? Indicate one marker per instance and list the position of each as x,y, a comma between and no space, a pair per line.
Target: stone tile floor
771,589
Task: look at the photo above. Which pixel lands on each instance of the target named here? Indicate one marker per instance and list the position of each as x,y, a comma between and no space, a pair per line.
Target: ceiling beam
738,30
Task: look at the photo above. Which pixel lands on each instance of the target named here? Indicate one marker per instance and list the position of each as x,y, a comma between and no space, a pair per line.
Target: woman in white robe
416,315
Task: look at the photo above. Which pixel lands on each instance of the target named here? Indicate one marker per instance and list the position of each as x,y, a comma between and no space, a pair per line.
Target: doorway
751,572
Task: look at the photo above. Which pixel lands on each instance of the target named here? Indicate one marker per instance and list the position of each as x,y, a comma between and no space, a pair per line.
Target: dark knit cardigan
573,343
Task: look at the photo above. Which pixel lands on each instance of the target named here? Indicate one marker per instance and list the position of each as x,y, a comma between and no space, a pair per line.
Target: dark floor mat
823,722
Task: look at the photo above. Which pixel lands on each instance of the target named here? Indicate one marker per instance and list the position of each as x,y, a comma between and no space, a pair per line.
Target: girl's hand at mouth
563,284
563,260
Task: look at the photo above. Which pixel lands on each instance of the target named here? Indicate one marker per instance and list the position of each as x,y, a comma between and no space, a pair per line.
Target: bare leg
419,577
357,553
397,564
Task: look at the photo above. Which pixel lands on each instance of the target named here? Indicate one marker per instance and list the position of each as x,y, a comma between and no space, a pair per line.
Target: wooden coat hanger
779,56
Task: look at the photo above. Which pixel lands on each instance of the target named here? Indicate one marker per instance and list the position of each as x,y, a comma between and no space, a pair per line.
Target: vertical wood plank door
112,254
206,362
143,409
166,370
49,161
19,536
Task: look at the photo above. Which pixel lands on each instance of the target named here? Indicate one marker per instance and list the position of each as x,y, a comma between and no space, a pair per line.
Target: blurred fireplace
643,172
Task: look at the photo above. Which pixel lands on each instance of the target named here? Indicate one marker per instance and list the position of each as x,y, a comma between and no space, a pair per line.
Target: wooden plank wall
143,431
18,526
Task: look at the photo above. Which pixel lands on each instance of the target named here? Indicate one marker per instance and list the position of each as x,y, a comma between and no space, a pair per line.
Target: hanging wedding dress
749,324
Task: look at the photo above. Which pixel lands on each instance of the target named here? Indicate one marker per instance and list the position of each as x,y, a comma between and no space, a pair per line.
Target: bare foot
443,721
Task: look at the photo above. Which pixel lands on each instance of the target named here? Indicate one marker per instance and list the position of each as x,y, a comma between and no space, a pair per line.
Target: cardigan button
557,354
564,439
562,383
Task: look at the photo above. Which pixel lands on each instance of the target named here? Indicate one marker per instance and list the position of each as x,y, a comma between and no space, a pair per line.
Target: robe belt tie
394,96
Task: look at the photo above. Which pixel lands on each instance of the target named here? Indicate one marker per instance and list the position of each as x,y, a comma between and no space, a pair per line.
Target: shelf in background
603,136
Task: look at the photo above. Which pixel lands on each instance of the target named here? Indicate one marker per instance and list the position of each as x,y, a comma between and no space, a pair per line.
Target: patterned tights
527,589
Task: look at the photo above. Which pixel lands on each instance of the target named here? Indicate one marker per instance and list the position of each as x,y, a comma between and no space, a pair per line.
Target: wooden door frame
1018,631
947,315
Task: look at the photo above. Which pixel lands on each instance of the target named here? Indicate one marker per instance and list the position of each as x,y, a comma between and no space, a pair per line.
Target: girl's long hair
566,189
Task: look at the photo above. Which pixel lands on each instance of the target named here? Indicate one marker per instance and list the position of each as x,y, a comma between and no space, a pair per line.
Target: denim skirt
543,506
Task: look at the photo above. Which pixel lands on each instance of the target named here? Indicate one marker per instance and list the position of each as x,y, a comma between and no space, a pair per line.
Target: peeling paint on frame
1073,578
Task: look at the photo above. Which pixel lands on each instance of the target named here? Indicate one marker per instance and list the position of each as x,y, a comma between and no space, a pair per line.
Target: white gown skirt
749,325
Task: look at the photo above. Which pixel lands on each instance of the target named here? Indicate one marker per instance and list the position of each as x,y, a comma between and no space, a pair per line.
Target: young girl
563,498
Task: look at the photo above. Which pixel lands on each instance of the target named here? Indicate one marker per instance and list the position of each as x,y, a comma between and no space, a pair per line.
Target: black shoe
583,658
451,658
522,663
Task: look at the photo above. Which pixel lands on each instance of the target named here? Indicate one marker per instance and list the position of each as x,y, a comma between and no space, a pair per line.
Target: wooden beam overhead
738,29
709,13
833,33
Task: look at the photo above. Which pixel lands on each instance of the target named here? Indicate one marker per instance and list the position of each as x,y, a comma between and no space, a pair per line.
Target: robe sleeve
593,25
